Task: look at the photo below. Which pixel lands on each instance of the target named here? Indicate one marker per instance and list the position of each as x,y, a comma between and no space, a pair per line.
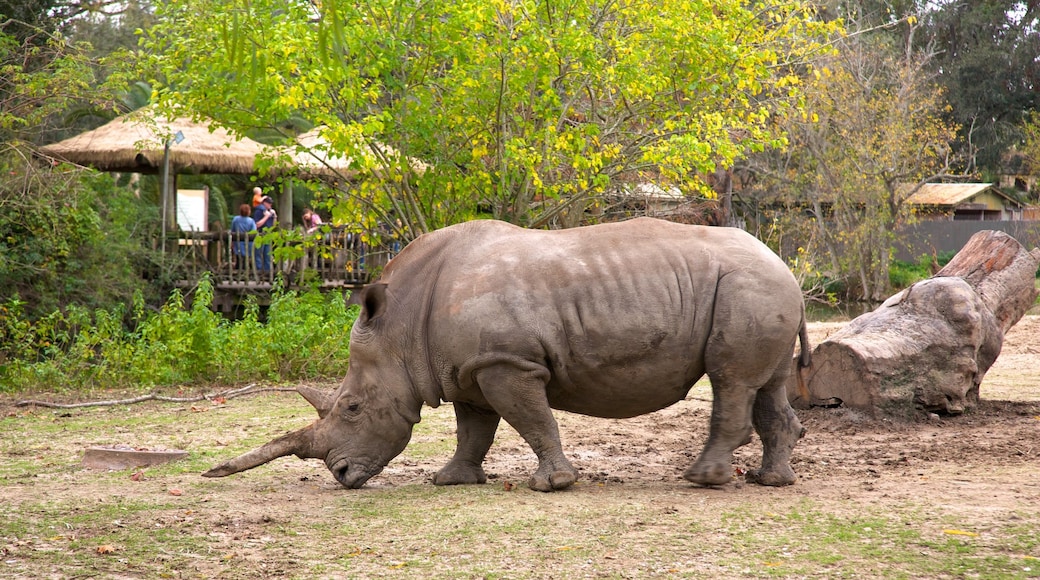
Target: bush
902,274
306,336
70,237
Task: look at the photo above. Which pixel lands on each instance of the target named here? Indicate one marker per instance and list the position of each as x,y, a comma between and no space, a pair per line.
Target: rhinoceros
613,320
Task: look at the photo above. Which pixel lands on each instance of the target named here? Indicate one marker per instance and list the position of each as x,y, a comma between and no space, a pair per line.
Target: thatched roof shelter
135,143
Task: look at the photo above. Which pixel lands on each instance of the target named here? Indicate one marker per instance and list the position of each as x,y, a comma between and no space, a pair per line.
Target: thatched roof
134,143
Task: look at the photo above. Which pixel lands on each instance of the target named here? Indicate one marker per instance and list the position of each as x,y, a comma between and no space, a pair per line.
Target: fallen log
927,348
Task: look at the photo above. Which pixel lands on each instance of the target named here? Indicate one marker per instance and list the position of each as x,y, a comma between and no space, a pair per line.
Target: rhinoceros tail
299,443
805,358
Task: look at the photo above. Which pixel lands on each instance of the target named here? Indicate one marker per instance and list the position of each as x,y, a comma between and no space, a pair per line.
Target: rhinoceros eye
353,407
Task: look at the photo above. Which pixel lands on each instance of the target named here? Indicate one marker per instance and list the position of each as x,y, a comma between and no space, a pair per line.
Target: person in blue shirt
265,218
241,225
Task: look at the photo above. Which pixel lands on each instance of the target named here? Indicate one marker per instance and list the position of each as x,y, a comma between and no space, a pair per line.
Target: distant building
963,202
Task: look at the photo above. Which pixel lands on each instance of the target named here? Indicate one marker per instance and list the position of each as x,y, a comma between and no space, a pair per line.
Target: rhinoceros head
363,424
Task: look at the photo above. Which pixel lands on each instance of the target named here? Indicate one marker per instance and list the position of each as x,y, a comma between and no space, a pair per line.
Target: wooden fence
234,262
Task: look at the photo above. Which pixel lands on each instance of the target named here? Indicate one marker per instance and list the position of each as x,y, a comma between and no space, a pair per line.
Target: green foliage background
539,113
305,336
69,238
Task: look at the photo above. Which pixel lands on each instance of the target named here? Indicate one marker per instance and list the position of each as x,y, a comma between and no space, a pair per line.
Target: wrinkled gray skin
613,320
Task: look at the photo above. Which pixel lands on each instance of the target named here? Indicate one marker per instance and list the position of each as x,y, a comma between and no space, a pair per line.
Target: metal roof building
963,201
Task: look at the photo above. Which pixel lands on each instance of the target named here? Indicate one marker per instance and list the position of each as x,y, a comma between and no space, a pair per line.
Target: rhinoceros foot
460,473
709,474
553,481
775,477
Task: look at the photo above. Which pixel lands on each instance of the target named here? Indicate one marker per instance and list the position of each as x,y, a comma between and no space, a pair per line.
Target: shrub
305,336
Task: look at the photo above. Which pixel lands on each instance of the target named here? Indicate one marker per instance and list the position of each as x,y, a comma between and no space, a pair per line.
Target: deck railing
337,258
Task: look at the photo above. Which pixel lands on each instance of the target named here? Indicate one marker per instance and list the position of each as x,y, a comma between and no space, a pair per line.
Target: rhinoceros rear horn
299,443
319,399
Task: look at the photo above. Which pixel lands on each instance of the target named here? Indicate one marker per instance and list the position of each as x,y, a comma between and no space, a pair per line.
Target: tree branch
229,394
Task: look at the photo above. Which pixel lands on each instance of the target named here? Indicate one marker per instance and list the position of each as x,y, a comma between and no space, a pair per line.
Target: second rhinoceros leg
476,432
730,427
516,390
780,430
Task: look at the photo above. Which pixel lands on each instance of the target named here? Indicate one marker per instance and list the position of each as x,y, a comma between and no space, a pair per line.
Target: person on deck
241,225
311,220
265,218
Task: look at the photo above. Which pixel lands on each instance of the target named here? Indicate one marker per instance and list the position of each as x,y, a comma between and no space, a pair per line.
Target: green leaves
305,335
528,110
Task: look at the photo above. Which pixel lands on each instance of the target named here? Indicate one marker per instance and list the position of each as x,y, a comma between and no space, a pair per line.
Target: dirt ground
991,454
844,454
980,468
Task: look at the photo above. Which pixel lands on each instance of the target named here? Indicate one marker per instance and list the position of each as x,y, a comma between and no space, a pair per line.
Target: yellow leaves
292,96
960,533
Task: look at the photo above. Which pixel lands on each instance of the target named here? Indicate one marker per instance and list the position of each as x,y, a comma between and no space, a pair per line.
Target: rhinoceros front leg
516,390
476,432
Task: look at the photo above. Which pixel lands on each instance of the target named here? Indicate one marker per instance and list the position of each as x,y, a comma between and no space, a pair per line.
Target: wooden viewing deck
334,260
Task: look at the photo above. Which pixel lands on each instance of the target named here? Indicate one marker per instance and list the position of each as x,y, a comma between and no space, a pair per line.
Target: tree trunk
928,347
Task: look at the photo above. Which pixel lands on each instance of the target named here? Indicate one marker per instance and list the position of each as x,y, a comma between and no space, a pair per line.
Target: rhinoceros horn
299,443
317,398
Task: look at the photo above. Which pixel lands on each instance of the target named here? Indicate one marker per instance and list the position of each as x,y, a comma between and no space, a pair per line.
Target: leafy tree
526,110
876,131
985,60
67,236
112,27
990,70
39,83
1030,149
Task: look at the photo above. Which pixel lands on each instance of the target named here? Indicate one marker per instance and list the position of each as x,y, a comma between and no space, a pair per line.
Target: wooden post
928,347
285,204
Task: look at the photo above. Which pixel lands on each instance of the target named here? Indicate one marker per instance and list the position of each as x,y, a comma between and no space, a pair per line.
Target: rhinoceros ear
373,301
317,398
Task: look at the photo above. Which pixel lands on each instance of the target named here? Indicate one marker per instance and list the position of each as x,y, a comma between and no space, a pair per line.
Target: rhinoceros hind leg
730,427
476,432
516,389
779,429
777,477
